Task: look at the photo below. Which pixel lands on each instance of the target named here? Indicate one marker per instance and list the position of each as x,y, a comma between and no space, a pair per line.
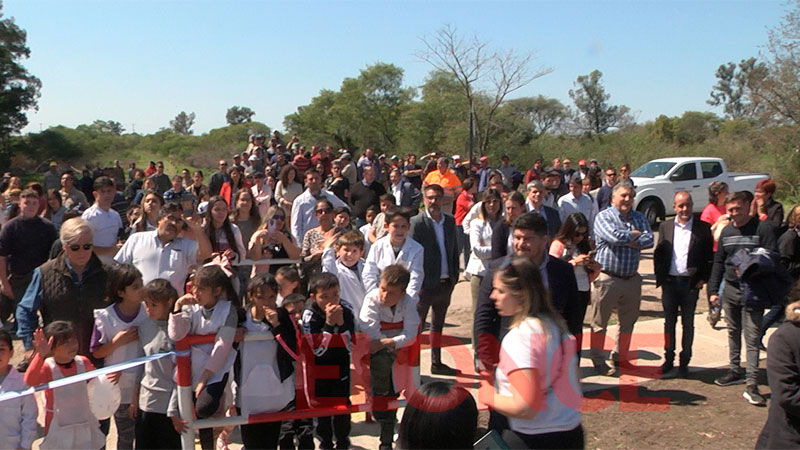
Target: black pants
206,404
261,435
437,299
8,306
301,430
561,439
330,426
678,295
155,431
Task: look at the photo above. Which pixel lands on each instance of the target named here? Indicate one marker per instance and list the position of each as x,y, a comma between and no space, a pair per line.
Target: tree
182,123
532,117
19,90
108,126
736,88
594,115
480,72
239,114
365,111
780,90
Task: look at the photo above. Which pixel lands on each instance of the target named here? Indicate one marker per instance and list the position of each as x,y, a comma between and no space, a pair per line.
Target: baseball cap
582,162
53,164
457,157
484,158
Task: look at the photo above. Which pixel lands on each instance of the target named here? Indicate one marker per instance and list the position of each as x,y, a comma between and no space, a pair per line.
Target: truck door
684,178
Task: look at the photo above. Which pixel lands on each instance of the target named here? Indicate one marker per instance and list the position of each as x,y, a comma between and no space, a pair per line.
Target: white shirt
528,346
156,260
438,228
397,191
17,416
351,288
373,313
365,231
680,248
262,198
382,255
105,225
480,240
303,217
569,204
471,215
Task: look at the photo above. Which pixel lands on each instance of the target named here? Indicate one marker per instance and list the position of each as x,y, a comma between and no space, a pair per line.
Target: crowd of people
336,261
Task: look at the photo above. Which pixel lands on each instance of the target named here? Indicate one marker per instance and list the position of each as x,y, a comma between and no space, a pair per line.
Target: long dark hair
211,232
570,228
487,195
212,276
254,214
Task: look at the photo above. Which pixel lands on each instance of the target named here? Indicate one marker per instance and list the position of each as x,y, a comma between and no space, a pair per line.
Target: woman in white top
536,383
480,239
225,237
287,189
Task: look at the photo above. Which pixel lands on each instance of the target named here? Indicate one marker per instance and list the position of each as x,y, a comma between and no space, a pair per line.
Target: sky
142,62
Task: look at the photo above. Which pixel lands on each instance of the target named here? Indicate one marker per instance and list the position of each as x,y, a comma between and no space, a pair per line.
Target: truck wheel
651,210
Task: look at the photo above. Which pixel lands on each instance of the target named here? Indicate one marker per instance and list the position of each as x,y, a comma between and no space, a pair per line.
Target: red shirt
464,202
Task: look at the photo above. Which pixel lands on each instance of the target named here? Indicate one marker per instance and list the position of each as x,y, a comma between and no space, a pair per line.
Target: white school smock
73,424
201,352
108,324
351,286
261,389
400,324
382,255
17,416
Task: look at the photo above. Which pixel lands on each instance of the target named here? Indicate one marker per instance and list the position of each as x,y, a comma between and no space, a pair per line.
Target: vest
62,299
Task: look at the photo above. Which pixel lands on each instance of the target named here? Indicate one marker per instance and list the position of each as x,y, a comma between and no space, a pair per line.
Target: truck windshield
653,169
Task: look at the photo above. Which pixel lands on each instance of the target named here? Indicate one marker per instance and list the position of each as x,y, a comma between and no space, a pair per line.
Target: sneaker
730,378
667,367
683,370
602,368
753,396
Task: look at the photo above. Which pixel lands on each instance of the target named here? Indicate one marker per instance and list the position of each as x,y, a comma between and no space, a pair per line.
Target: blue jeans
678,295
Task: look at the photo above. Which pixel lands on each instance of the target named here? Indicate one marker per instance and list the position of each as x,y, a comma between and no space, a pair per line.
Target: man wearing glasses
604,194
162,253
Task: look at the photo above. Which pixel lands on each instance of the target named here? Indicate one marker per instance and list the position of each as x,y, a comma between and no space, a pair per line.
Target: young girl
115,339
288,279
225,237
265,379
69,422
17,416
156,387
208,310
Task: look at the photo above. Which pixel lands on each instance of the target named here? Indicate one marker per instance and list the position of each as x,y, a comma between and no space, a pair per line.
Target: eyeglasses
323,211
76,247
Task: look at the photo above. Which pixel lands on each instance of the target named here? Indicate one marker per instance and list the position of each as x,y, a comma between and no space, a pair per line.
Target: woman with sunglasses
272,240
572,245
314,239
537,384
68,287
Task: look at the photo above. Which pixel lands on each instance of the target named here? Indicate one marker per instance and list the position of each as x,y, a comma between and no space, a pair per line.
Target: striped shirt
612,234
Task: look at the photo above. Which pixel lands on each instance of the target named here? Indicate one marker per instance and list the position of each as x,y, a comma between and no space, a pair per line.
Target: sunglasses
323,211
611,174
279,217
76,247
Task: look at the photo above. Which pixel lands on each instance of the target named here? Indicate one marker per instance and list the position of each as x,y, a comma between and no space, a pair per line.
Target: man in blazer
404,192
535,203
682,260
436,232
529,240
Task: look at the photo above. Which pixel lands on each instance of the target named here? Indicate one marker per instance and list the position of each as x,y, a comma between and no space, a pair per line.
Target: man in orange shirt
449,182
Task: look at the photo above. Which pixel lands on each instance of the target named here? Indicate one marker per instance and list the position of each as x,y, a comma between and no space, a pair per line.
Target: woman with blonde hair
272,240
536,380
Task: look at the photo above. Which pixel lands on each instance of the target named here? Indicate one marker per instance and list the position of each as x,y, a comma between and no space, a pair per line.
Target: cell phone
272,226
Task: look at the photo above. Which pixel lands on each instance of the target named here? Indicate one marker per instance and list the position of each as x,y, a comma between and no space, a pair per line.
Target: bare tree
486,76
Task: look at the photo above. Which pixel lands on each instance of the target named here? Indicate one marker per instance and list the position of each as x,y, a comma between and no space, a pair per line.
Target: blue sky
142,62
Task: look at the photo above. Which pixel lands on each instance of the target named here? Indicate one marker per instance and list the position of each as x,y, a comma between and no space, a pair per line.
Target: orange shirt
448,181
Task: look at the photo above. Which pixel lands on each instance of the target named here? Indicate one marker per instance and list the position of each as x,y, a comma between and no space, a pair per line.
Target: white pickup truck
658,180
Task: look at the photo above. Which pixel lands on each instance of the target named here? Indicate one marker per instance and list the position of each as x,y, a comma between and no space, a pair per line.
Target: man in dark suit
404,192
529,240
218,178
682,259
436,232
535,203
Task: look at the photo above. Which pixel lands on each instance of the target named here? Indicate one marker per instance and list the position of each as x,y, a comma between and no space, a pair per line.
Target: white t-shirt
527,346
105,225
